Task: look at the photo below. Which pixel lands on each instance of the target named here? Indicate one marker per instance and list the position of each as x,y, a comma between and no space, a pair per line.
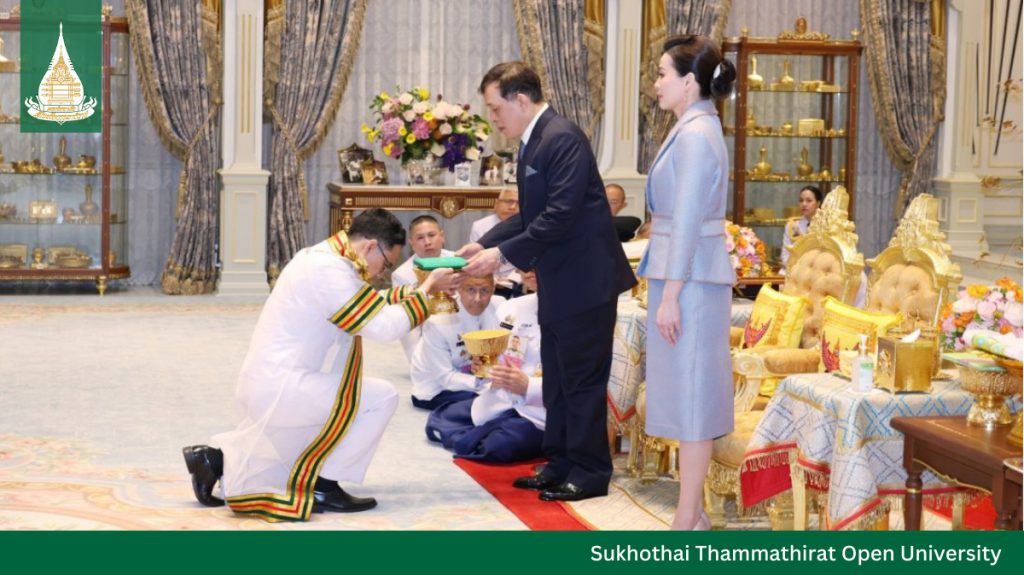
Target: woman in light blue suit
689,373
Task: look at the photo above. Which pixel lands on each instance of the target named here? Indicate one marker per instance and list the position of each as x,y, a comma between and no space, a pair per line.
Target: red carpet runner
536,514
979,515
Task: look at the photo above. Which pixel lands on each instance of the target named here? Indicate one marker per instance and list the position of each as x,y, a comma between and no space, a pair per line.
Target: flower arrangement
996,308
410,127
746,251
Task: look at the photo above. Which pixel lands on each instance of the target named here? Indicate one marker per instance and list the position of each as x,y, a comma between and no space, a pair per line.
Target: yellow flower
977,291
365,129
411,138
424,93
385,96
387,149
402,131
428,115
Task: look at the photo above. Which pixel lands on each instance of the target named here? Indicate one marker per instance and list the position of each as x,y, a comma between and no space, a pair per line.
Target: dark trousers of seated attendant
445,397
507,438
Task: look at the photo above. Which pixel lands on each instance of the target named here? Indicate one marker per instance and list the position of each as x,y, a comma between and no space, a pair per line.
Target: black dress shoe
538,482
568,492
206,465
338,500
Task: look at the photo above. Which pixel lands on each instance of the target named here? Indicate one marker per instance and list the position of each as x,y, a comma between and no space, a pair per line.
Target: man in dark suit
625,226
564,231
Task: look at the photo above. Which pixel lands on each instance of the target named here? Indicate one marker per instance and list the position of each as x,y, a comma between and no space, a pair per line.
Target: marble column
619,142
243,199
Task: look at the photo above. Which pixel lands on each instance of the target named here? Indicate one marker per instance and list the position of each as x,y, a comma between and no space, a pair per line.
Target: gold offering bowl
74,261
990,390
440,302
486,344
1013,369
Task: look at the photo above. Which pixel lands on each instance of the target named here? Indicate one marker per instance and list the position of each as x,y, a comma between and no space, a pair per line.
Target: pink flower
420,129
964,304
985,310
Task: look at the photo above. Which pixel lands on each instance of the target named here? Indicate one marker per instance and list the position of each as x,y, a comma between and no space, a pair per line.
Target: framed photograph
351,160
374,172
491,170
463,174
508,172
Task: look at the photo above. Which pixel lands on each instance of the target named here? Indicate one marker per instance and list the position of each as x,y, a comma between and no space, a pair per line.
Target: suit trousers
576,354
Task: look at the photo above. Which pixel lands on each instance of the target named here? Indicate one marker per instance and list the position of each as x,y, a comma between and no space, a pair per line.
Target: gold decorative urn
485,345
440,302
990,390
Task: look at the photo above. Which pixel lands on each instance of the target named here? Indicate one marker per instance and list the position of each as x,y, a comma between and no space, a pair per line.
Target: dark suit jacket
564,227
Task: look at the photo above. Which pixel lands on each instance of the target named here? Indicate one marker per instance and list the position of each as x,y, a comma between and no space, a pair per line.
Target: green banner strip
61,66
719,553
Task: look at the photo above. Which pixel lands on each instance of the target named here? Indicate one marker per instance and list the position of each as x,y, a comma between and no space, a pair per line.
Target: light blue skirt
689,385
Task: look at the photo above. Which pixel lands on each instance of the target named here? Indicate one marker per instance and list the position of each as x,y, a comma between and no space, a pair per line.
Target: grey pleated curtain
309,49
176,46
563,41
906,66
667,18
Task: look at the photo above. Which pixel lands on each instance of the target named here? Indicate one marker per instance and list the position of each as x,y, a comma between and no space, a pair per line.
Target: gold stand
487,345
439,302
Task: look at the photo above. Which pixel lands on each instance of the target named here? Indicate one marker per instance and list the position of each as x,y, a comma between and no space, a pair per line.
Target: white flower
405,98
964,305
409,115
472,154
437,149
1013,313
986,309
445,129
386,108
420,107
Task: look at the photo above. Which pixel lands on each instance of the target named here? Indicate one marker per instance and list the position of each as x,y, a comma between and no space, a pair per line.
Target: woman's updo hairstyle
698,54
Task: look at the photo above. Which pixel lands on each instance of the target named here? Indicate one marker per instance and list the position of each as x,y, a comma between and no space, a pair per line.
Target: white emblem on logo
61,97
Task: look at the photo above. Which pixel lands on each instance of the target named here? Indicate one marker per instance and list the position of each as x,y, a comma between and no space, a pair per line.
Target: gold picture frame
351,161
375,172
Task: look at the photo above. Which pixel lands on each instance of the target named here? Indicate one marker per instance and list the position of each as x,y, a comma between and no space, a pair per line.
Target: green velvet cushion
436,263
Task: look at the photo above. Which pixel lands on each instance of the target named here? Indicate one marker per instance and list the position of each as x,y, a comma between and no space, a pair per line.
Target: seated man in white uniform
441,369
505,423
427,241
308,417
508,282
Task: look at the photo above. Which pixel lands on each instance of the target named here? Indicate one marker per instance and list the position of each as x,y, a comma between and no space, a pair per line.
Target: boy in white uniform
427,241
441,369
309,418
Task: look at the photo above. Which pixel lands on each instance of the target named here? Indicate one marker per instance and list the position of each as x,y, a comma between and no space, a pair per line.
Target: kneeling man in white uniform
441,369
309,418
505,423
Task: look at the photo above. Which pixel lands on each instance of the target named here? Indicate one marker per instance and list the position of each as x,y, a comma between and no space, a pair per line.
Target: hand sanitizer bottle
864,368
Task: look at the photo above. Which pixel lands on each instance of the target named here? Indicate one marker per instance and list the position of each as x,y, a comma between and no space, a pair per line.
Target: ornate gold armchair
914,274
824,262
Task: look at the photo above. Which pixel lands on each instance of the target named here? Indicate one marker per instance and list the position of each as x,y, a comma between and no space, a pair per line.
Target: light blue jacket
686,194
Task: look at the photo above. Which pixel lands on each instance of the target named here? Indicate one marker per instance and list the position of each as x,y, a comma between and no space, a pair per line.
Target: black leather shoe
538,482
206,465
568,492
338,500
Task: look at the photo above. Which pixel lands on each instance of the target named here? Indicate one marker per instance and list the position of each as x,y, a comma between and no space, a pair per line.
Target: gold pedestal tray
990,390
1013,369
439,302
486,344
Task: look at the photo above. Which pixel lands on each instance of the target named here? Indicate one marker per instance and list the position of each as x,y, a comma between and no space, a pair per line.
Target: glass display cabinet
64,196
792,122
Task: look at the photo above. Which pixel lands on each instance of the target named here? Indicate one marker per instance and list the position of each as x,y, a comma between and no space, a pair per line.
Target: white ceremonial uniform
305,408
520,316
441,362
403,276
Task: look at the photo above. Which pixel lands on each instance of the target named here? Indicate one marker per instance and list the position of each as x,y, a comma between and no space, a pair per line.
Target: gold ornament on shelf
754,80
800,33
88,208
763,167
786,82
804,169
61,161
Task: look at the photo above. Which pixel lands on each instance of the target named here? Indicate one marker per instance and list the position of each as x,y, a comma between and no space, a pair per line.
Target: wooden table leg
912,502
1005,496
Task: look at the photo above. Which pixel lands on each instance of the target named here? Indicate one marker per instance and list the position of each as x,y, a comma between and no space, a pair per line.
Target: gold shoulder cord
342,246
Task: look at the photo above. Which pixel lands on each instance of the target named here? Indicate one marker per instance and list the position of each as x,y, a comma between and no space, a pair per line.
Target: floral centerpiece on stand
411,128
746,251
995,308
